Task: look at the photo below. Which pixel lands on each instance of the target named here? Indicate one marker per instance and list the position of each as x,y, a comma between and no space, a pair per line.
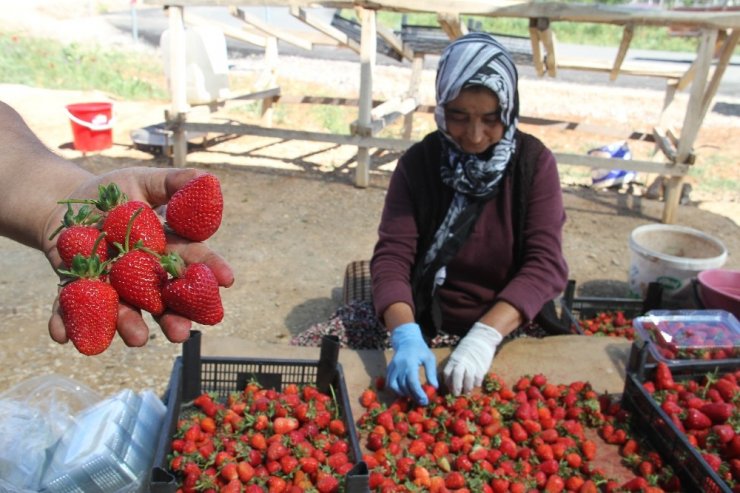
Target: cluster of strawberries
119,255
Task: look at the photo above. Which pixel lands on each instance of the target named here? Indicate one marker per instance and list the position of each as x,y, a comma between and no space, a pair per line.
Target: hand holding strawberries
143,189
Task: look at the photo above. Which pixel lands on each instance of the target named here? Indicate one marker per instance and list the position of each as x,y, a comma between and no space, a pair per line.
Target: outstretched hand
154,186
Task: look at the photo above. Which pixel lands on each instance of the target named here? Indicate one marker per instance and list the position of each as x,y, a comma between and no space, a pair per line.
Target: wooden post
368,50
691,124
178,86
270,79
534,39
417,69
627,33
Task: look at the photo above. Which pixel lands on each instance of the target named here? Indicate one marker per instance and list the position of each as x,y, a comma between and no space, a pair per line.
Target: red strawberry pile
707,411
534,436
261,441
116,252
704,341
611,324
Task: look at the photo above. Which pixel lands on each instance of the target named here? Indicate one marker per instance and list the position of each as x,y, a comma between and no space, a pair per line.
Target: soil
293,218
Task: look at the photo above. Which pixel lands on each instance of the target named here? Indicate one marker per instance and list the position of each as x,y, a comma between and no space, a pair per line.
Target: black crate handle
326,371
191,379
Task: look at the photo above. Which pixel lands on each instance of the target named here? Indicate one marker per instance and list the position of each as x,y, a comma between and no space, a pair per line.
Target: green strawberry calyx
173,264
109,197
87,267
84,217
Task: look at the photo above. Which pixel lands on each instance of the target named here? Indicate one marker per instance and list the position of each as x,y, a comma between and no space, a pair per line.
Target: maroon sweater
482,272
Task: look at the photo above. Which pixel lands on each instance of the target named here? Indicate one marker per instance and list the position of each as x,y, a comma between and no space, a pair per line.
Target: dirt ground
293,218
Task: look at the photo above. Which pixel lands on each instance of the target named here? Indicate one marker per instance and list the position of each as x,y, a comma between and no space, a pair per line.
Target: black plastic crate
652,422
573,309
192,375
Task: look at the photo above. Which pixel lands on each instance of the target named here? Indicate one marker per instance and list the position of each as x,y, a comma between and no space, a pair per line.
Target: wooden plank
325,28
368,53
536,41
178,86
548,41
228,30
387,113
451,24
287,134
728,48
555,11
665,144
394,42
630,68
627,33
269,30
668,169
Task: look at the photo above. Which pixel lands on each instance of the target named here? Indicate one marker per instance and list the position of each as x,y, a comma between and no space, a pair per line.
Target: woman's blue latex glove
409,352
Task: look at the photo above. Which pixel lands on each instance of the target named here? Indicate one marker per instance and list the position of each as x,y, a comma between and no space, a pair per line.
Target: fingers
56,326
404,381
131,326
200,253
175,327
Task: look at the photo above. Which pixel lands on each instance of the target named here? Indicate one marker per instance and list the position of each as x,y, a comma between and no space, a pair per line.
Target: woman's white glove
471,359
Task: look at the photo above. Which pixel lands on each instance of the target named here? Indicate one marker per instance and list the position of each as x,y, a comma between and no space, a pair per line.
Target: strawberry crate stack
688,410
617,313
197,378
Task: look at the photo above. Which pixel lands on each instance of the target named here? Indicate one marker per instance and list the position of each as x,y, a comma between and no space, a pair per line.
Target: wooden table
562,359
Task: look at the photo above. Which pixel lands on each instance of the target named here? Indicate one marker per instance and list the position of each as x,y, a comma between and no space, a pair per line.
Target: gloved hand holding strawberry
126,199
471,358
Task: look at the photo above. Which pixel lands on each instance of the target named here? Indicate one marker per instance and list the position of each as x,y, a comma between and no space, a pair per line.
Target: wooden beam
630,68
368,53
728,48
228,30
536,42
286,134
668,169
394,42
178,86
386,113
269,30
324,28
665,144
548,41
451,24
553,10
627,33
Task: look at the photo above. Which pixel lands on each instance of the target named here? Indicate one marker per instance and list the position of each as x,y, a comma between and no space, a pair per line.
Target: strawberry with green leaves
77,234
193,291
118,212
89,306
137,274
195,211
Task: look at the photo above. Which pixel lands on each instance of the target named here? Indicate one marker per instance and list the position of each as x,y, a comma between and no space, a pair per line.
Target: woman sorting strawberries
469,241
33,182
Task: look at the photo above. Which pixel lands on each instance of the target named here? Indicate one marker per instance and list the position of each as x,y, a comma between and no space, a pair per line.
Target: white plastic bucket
671,255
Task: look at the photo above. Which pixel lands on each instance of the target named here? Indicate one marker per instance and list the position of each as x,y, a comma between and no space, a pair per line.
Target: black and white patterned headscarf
474,59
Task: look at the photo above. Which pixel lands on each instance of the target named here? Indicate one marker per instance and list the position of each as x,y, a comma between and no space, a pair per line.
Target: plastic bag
33,416
77,441
608,178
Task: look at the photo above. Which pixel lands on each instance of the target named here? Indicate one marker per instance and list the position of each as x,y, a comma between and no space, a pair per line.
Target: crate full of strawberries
691,415
258,425
688,337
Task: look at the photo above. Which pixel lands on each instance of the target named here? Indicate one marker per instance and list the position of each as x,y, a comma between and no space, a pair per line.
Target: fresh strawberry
139,279
77,234
119,211
194,212
192,292
89,306
146,228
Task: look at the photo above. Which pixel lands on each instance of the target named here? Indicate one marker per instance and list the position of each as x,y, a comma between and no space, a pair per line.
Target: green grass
52,65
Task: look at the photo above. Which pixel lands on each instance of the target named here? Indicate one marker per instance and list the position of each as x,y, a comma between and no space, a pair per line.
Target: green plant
50,64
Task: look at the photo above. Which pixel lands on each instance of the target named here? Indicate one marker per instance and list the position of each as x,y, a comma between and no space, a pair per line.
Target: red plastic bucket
92,125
